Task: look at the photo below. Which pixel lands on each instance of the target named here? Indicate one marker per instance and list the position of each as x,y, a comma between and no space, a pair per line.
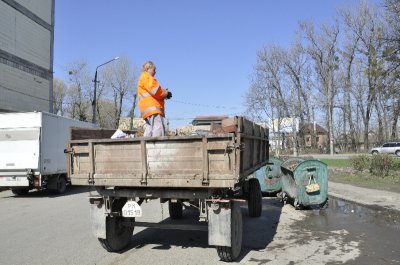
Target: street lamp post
95,90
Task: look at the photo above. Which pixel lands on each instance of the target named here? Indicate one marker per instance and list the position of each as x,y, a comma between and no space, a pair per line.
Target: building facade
26,55
311,130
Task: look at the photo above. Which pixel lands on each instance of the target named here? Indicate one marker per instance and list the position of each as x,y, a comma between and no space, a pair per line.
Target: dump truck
211,172
32,151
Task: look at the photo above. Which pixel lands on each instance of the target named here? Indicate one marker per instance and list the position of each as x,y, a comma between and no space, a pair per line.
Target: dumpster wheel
297,205
324,204
284,198
229,254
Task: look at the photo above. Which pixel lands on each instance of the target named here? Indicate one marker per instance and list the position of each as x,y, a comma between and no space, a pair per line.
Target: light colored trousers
154,126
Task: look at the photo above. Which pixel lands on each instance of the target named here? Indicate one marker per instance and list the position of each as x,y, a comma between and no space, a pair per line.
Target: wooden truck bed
218,160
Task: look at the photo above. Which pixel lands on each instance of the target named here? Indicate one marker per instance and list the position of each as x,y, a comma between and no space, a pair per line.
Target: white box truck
32,151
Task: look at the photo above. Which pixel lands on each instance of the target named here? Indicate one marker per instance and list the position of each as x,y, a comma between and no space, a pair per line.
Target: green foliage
381,164
360,162
396,164
378,165
367,180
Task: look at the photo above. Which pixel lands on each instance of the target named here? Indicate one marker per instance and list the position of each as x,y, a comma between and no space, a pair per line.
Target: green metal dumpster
269,176
305,182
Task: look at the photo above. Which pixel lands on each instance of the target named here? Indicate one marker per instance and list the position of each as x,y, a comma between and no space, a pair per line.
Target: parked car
387,148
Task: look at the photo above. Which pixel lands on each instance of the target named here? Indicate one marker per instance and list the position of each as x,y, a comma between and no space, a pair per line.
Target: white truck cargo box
32,146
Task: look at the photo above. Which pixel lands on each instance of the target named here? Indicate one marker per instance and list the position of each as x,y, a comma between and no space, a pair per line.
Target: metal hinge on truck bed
231,147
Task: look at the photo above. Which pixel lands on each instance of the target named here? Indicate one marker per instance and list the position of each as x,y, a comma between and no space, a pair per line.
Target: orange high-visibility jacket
150,95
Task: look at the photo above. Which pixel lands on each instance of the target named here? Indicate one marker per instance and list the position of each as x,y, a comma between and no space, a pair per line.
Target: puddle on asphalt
377,230
347,213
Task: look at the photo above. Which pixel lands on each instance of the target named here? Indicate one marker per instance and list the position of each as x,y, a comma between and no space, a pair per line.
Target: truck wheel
20,191
118,235
175,210
374,152
398,152
61,185
229,254
255,198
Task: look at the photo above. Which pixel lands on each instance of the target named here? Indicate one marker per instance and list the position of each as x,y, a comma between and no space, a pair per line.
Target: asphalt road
42,228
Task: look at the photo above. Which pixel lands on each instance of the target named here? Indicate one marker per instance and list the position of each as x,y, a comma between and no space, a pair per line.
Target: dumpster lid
292,163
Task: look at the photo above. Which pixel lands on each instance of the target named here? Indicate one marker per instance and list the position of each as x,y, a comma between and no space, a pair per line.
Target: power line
173,118
203,105
192,118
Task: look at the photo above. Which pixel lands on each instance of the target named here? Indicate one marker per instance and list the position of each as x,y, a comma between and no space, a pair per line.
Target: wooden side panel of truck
213,160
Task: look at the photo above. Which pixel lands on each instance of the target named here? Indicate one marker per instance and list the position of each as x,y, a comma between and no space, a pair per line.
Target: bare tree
105,107
79,90
295,62
393,33
102,107
59,93
322,48
268,97
366,25
392,54
120,77
348,54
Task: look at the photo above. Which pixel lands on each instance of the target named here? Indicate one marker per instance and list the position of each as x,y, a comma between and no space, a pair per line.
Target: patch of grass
367,180
340,163
396,164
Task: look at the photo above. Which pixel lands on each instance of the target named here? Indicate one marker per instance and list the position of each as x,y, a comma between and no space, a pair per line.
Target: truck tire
118,236
229,254
20,192
254,198
61,185
398,153
175,210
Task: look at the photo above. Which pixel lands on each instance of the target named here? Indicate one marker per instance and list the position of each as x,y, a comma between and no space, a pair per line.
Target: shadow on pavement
257,232
71,190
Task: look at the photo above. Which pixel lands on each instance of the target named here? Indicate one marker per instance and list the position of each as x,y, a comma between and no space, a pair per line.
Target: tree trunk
344,128
132,112
121,98
115,110
396,114
380,138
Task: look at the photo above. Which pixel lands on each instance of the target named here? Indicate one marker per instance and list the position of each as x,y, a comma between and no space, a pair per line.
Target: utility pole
94,102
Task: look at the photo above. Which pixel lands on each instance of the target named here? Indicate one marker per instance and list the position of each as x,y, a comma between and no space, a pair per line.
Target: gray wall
26,54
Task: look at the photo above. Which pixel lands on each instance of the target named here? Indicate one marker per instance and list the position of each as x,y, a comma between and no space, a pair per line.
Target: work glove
169,95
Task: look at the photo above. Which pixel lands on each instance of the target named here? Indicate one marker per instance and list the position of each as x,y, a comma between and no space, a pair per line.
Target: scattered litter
119,134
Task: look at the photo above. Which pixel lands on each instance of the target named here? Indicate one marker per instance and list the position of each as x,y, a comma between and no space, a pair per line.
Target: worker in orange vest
151,101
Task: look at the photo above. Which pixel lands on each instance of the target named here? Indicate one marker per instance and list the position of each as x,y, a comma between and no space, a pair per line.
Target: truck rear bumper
14,181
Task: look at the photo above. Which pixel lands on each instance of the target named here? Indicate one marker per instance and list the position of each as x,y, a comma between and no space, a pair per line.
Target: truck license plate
131,209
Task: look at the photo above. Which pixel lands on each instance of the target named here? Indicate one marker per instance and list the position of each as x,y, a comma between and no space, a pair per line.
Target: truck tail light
36,181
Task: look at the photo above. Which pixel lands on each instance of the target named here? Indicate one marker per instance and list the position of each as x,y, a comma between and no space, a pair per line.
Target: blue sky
204,50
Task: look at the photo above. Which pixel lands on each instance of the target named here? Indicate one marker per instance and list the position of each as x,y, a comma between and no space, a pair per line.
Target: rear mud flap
98,217
219,225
